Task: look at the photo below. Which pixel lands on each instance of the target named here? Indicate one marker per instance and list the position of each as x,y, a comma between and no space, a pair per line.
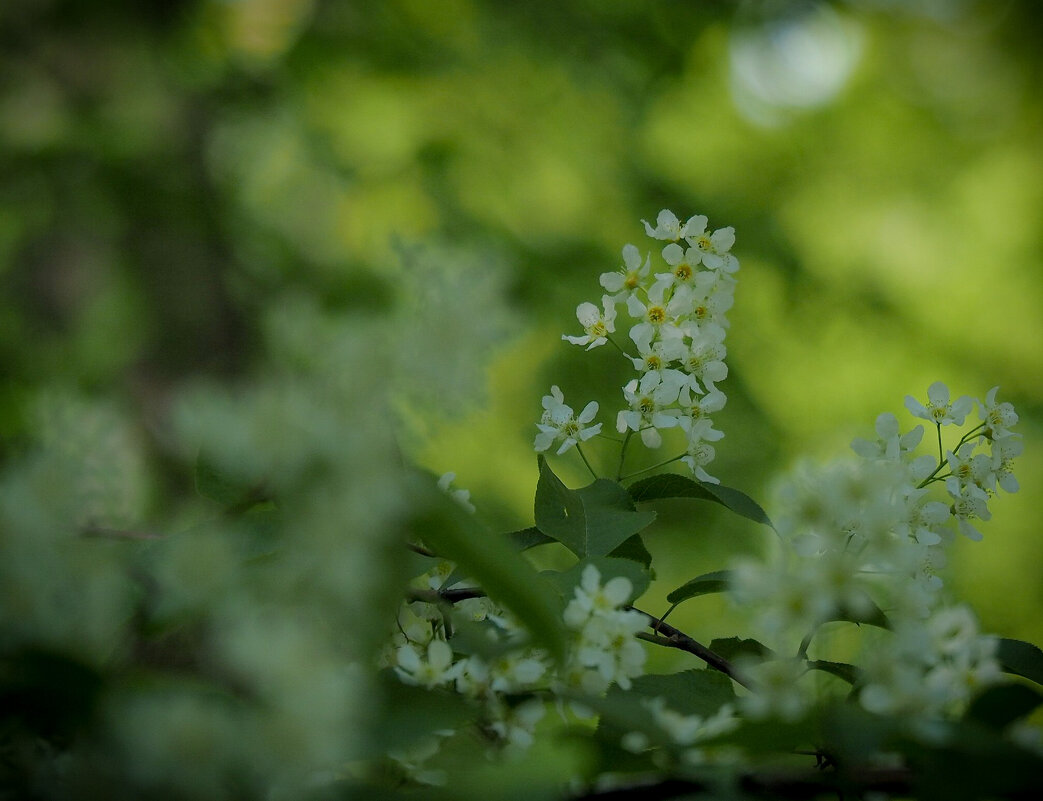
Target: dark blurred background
171,170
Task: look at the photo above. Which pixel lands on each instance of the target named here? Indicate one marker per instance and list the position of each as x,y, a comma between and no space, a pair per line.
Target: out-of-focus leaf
1021,658
591,521
47,692
216,486
671,485
493,563
409,713
842,670
707,583
873,616
1002,704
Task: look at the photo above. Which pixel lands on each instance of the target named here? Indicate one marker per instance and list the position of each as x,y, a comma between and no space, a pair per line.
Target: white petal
588,413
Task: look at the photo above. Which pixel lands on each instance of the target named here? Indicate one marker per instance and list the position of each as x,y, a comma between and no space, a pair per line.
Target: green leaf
591,521
1021,659
609,567
690,692
635,550
705,584
1001,705
731,648
409,713
215,485
528,538
842,670
492,562
873,616
671,485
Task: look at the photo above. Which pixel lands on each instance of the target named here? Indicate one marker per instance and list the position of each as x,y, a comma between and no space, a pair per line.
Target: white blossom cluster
686,732
678,328
868,538
931,666
603,651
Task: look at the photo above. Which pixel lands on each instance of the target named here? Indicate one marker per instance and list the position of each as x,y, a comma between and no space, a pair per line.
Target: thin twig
675,638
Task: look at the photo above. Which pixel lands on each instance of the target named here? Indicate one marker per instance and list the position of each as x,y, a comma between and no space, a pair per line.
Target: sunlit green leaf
671,485
591,521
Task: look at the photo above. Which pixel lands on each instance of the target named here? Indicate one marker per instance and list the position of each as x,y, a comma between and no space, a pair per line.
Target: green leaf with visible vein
705,584
1021,659
671,485
591,521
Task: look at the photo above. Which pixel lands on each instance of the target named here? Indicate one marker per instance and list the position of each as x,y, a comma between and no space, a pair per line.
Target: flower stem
583,456
623,453
653,467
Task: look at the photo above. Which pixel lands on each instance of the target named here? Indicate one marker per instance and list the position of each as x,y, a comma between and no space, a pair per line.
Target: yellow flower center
683,272
656,314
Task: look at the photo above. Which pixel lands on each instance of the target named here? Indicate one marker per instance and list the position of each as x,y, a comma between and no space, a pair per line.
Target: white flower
699,455
939,409
656,357
648,398
670,228
590,598
560,422
625,281
695,410
683,264
704,361
890,445
597,325
461,496
714,248
1003,453
606,649
436,669
658,316
998,417
970,501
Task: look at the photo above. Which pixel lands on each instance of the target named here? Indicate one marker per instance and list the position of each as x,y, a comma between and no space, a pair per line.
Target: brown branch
670,637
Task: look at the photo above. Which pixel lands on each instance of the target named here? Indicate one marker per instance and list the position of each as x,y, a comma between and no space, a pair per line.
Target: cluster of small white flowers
931,666
868,536
974,475
605,649
679,329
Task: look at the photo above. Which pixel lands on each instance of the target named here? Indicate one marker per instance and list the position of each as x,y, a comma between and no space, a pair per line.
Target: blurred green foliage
313,240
